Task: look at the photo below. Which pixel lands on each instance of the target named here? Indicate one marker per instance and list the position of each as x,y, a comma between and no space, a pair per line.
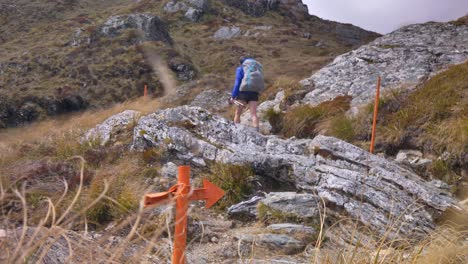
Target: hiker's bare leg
253,112
238,113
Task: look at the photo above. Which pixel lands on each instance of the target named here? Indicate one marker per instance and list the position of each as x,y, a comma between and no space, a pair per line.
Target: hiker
249,83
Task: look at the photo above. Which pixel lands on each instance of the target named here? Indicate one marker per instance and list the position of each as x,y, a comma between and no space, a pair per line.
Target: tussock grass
303,121
73,123
435,113
235,180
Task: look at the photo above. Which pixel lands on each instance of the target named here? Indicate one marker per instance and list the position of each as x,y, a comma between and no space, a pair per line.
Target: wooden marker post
376,108
183,193
145,91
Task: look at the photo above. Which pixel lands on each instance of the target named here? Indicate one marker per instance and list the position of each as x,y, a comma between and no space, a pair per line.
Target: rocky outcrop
379,193
194,9
402,58
255,8
111,127
152,28
258,8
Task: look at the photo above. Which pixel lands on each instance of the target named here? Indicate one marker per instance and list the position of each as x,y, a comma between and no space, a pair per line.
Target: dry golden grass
434,113
71,122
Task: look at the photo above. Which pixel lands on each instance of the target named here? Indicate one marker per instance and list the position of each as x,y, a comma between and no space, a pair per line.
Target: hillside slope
61,56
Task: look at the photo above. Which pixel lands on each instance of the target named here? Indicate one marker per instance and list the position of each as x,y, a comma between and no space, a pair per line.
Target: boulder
184,70
112,126
152,27
402,58
193,14
227,33
379,193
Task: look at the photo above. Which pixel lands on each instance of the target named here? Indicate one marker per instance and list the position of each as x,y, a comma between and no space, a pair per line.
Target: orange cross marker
183,193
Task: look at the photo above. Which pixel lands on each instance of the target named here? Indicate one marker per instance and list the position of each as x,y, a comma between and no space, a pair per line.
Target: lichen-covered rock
402,58
290,204
112,126
227,33
153,29
379,193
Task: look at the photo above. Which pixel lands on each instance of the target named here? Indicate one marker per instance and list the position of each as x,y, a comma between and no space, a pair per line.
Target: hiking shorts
248,96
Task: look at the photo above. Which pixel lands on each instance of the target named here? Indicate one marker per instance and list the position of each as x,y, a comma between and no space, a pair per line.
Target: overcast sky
384,16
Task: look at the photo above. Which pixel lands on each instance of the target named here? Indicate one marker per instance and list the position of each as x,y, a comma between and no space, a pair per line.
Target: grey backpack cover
253,76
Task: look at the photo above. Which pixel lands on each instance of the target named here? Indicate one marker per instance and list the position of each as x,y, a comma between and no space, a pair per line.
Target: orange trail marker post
183,193
376,108
145,91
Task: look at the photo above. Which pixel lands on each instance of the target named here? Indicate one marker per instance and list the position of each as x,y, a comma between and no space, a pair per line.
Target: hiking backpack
253,76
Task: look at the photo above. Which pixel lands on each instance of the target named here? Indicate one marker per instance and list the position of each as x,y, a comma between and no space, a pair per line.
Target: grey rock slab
279,243
196,133
351,181
402,58
227,32
113,125
246,210
292,229
301,205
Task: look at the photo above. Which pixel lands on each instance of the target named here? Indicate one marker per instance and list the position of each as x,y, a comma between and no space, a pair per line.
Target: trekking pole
376,108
